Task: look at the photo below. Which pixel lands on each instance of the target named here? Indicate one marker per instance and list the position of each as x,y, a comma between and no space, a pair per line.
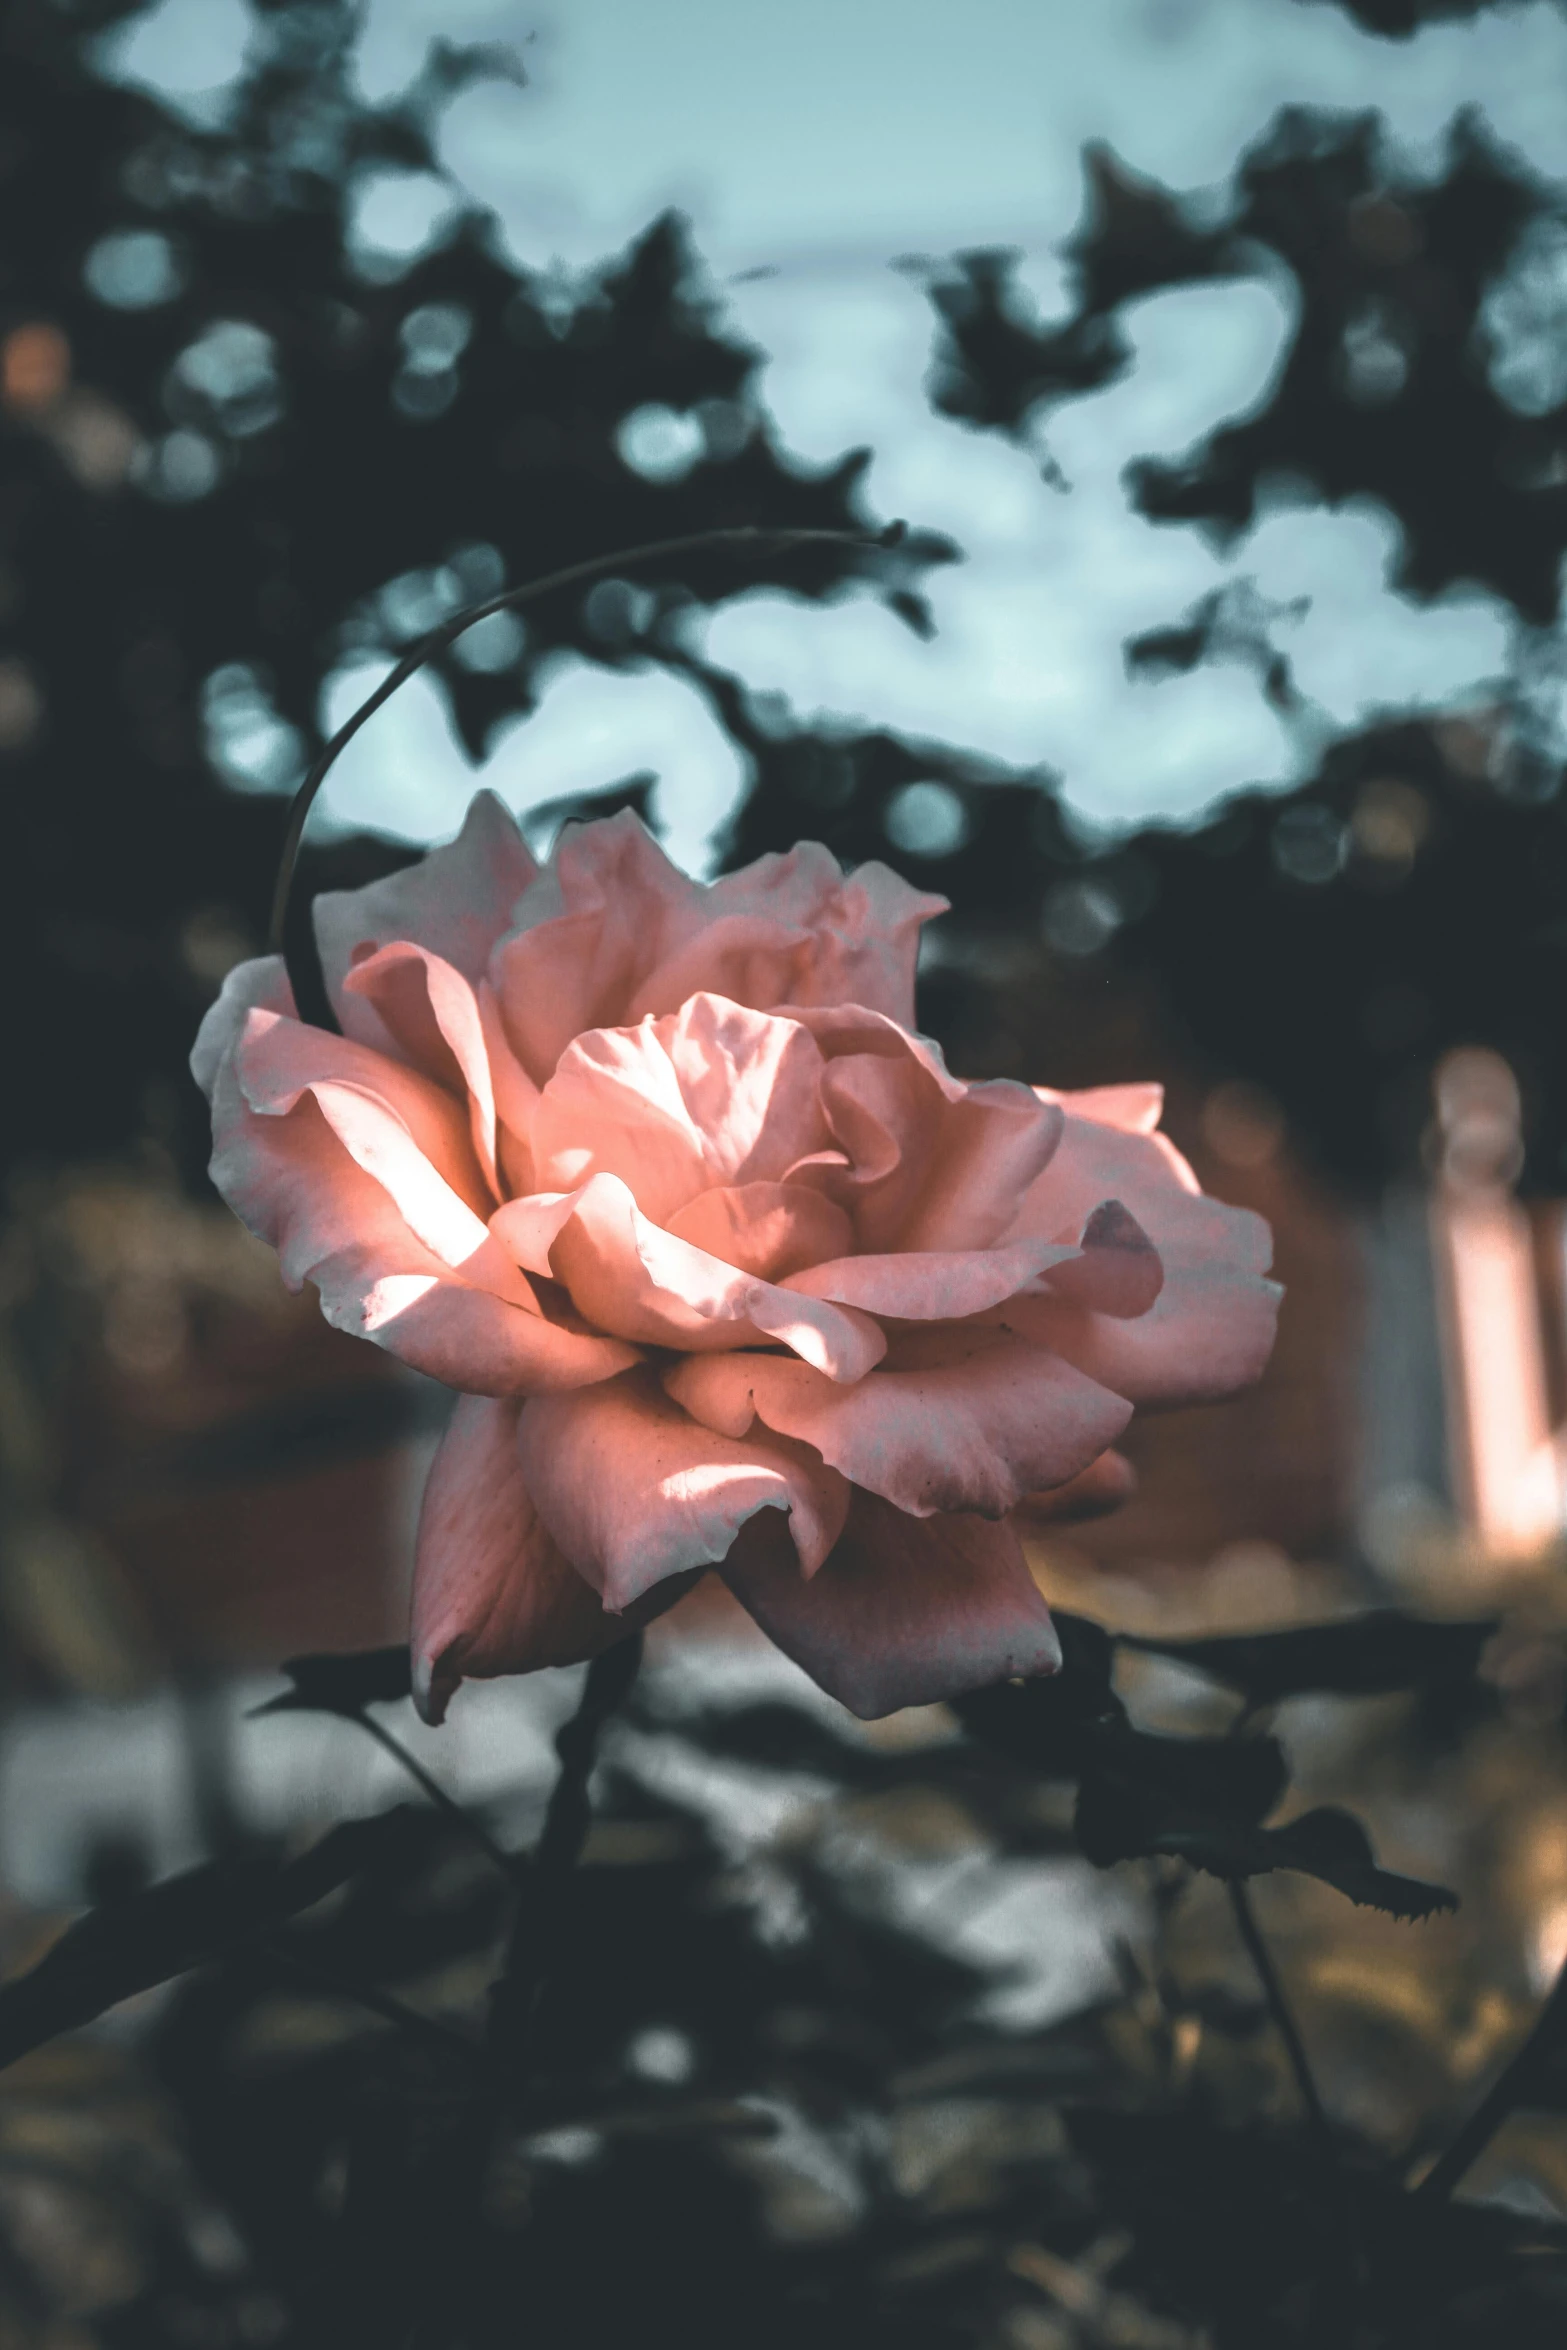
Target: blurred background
1214,353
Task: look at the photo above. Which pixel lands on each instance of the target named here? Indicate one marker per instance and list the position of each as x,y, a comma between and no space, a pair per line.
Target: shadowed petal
492,1593
1100,1488
457,901
863,931
634,1490
598,919
770,1229
432,1015
291,1180
974,1433
905,1611
929,1287
1210,1333
628,1275
1144,1172
1118,1271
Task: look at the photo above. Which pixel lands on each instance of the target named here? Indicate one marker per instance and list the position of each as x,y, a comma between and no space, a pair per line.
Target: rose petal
516,1100
770,1229
905,1611
1096,1162
627,1275
974,1433
608,910
408,1133
1097,1490
933,1164
492,1592
1118,1270
456,901
713,1093
863,931
1210,1333
634,1491
432,1016
291,1181
1135,1109
926,1288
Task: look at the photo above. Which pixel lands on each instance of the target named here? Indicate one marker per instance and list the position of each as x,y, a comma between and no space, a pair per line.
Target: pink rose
727,1268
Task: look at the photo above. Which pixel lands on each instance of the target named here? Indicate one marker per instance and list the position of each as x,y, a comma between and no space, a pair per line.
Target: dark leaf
1230,1778
130,1945
1120,1817
342,1684
1046,1724
1363,1657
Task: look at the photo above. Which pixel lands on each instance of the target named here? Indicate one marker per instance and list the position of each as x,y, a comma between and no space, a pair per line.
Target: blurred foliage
772,2098
234,452
238,448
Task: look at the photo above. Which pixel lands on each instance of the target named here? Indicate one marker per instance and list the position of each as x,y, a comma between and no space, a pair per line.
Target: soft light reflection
1506,1457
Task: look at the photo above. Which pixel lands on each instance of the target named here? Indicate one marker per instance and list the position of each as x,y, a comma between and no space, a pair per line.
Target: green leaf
130,1945
343,1684
1363,1657
1121,1818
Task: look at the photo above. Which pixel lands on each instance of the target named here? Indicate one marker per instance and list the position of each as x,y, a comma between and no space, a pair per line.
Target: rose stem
508,1863
295,940
541,1916
1498,2102
1279,2008
382,2003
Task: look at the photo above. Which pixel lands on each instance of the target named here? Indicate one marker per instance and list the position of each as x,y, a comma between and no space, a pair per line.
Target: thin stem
541,1916
506,1862
385,2004
1279,2008
310,995
1504,2094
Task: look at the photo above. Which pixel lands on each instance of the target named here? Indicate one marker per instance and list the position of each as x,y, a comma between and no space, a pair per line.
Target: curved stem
310,995
505,1861
1279,2008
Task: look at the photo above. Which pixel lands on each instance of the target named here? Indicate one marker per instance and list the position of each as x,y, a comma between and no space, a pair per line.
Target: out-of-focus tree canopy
236,451
232,453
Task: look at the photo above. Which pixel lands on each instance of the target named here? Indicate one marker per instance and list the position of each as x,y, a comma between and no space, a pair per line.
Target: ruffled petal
1210,1333
478,1324
628,1275
1097,1161
407,1132
996,1420
456,901
605,913
634,1491
432,1015
712,1093
770,1229
906,1611
932,1288
929,1163
492,1592
863,931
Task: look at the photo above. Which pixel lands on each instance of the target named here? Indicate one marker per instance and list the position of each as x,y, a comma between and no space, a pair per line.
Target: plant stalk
1279,2008
1505,2093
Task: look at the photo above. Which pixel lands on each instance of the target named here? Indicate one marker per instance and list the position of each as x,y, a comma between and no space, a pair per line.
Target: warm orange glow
35,367
1505,1458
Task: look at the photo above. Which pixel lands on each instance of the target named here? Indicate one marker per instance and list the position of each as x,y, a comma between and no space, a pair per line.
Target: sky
821,143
